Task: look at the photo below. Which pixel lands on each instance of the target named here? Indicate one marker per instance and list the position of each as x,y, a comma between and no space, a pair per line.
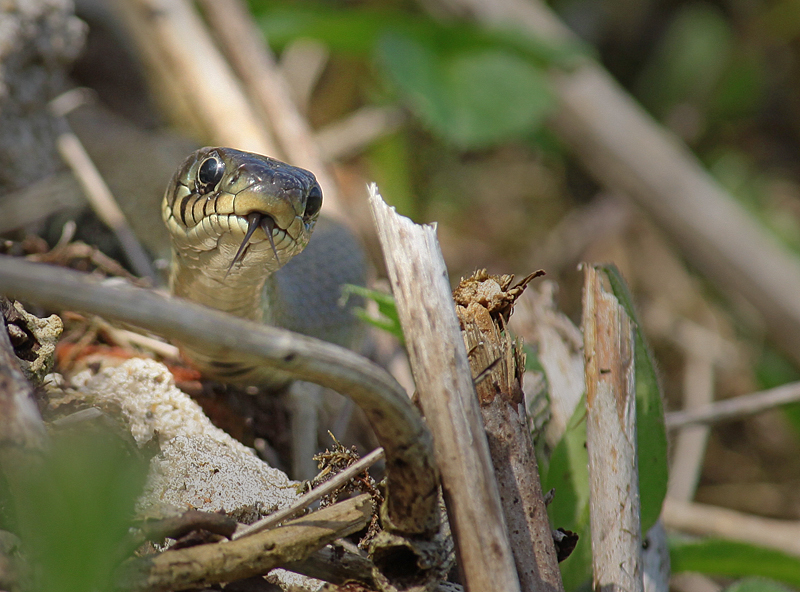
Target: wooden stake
611,440
439,361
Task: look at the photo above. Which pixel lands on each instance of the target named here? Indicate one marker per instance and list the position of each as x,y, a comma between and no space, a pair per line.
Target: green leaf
357,31
756,585
689,61
472,86
651,432
473,99
733,559
567,473
388,320
73,508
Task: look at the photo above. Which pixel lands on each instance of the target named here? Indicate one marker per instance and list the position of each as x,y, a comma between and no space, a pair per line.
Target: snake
235,219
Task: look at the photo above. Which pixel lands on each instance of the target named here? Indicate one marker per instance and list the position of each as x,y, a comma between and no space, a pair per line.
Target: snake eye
313,202
209,174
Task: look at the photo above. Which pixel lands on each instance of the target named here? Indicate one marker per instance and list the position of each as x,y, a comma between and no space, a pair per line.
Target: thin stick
158,347
302,63
706,520
352,133
736,408
103,203
309,498
611,440
701,352
441,370
411,501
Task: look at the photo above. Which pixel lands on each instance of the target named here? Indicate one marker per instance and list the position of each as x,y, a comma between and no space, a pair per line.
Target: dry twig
713,521
195,84
226,561
318,492
254,63
483,304
738,407
95,188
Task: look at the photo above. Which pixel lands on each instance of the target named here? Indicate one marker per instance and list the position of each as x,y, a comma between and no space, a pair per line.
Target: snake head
233,206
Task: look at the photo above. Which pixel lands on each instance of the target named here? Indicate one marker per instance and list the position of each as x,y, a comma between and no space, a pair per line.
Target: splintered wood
441,370
611,439
483,305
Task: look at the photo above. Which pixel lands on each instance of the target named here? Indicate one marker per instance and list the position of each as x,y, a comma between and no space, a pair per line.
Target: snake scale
235,218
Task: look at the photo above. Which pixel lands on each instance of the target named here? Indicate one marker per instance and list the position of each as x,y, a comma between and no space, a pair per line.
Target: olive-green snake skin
234,219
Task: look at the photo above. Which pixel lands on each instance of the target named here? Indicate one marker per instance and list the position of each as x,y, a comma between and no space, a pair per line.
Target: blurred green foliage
756,585
472,87
471,98
386,318
72,508
732,559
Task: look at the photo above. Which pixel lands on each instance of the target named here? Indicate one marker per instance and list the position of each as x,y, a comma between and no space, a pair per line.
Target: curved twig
412,493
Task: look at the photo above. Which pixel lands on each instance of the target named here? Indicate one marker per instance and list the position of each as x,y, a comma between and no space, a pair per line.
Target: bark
483,305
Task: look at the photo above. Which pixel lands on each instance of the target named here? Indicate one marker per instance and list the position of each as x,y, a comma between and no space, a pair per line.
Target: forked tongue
254,221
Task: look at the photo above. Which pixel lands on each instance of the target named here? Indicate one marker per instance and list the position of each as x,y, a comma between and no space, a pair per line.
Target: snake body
234,219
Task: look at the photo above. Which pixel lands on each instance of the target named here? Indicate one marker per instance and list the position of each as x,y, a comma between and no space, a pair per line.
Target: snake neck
204,280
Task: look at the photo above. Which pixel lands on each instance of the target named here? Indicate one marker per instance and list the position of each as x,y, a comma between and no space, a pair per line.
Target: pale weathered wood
254,63
737,407
439,362
611,440
713,521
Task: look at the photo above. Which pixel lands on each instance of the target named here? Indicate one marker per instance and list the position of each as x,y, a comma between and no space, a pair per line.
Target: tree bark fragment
483,304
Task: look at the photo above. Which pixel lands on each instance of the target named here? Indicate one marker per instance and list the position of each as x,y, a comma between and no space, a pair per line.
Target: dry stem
195,84
737,407
713,521
318,492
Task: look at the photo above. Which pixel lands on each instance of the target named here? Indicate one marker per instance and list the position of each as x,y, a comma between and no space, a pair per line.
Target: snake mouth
256,220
